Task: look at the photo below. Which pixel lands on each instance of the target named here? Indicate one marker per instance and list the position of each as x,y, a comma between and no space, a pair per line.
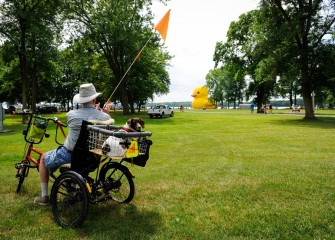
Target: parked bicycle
34,134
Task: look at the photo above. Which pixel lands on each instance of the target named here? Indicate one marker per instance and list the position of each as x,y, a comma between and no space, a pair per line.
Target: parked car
46,109
160,111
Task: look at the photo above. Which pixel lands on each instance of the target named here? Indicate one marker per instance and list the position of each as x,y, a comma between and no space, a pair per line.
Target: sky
194,28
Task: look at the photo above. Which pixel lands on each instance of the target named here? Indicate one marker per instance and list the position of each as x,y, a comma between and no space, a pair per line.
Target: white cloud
194,29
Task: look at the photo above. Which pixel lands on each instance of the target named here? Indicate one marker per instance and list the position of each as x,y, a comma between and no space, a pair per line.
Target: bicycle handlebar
58,123
54,119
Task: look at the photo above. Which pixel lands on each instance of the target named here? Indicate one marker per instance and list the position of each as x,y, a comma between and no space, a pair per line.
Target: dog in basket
134,125
117,147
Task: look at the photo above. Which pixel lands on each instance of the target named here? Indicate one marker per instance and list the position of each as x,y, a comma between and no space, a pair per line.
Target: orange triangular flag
162,25
133,149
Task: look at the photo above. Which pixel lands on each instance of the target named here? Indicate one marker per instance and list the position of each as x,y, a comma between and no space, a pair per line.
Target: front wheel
117,182
22,173
69,199
172,114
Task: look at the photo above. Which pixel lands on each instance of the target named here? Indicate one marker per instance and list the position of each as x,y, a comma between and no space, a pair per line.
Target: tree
9,74
28,27
240,56
280,47
117,31
215,85
306,24
324,75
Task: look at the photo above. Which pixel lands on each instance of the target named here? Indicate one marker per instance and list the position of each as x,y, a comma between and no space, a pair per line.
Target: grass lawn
212,174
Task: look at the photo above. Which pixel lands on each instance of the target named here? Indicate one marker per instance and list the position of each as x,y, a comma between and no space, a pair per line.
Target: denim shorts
57,157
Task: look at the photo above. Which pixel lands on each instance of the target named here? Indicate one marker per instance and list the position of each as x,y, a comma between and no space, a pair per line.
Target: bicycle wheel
69,200
117,182
22,172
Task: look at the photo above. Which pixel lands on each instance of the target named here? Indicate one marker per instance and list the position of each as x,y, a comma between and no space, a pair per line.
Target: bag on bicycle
37,129
141,159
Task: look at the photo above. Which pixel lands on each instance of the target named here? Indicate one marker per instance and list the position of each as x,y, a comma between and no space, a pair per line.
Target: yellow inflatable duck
201,100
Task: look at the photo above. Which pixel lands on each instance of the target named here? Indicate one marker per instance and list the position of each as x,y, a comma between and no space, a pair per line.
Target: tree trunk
24,88
23,71
306,84
132,109
33,84
309,110
260,98
33,90
308,102
131,103
139,106
124,100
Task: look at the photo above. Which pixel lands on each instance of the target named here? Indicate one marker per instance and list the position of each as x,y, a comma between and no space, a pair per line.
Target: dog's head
135,124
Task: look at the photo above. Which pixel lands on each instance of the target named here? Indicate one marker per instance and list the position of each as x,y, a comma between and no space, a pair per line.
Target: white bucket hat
86,93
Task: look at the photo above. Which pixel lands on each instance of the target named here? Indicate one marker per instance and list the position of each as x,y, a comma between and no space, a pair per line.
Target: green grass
213,174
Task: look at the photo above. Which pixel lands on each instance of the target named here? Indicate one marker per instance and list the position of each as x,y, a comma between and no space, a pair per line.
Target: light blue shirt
74,119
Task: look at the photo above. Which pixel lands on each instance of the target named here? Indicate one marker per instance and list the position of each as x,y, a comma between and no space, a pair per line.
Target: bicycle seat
65,167
83,161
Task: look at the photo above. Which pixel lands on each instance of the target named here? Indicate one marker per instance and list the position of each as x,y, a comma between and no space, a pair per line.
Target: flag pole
161,27
124,75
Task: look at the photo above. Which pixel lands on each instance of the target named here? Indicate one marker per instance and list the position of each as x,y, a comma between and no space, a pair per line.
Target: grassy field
212,174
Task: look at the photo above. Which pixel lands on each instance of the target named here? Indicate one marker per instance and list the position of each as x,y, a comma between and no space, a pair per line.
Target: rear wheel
118,182
69,199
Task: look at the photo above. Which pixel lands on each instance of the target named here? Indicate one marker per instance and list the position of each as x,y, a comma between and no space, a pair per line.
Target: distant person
270,108
181,108
263,109
252,107
12,111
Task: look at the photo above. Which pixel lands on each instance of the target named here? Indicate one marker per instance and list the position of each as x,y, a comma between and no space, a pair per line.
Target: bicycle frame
30,158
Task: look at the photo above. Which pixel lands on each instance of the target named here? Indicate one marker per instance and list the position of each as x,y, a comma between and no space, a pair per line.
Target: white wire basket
114,143
103,144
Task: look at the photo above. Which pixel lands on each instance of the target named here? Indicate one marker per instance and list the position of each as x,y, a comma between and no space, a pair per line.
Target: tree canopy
281,46
29,31
62,44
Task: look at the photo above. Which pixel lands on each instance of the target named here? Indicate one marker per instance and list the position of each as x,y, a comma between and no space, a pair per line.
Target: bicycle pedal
18,165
